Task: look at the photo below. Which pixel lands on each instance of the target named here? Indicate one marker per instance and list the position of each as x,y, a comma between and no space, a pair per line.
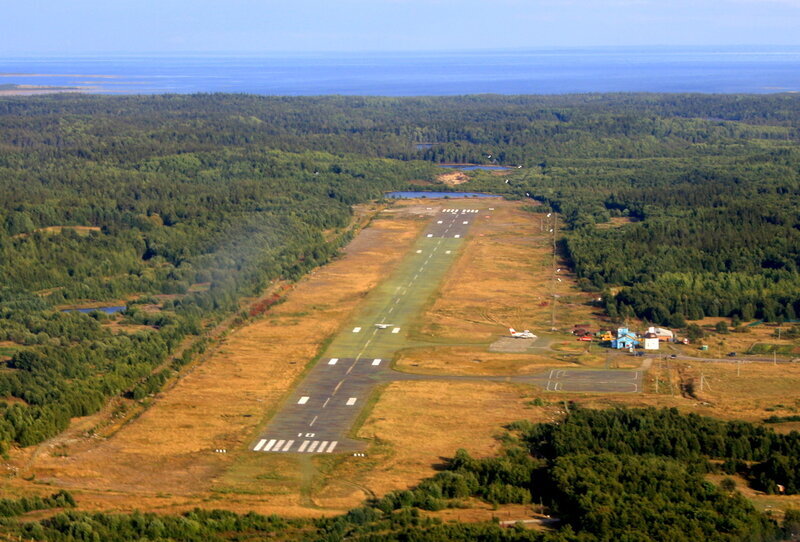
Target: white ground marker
303,400
303,446
457,236
351,401
419,252
333,361
439,222
430,235
396,330
447,252
356,329
376,361
466,222
269,445
332,445
287,446
260,444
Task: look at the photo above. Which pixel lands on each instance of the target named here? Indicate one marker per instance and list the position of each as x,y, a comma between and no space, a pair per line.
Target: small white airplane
521,334
384,326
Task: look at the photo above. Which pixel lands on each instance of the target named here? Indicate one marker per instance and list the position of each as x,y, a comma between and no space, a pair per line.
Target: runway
319,415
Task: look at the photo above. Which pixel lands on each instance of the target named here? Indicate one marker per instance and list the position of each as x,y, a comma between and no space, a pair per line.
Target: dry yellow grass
459,360
169,449
419,424
164,460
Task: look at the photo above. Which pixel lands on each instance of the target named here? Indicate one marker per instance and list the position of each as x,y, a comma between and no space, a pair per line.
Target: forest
178,206
629,475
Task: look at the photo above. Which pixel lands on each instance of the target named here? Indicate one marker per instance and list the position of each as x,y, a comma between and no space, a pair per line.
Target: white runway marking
356,329
303,446
466,222
447,252
430,235
312,421
313,446
332,446
440,221
351,401
303,400
457,236
396,330
269,445
376,361
260,444
322,446
288,446
326,402
333,361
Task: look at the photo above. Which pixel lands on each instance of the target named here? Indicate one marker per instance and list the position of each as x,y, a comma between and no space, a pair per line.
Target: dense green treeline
202,199
200,226
631,475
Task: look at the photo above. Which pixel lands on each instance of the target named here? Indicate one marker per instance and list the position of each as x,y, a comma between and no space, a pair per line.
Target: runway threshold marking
303,446
260,444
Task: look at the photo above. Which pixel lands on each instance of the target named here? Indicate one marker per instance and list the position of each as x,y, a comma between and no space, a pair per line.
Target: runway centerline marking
312,421
326,402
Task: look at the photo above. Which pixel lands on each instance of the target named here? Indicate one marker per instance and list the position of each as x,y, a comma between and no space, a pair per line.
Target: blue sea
541,71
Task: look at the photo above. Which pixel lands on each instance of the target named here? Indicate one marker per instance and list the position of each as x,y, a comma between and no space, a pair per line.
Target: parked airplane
384,326
521,334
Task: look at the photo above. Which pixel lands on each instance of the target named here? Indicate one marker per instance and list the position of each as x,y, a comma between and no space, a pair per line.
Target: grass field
502,275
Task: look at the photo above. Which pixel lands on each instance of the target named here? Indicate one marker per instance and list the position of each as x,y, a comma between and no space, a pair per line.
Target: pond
107,310
472,167
438,195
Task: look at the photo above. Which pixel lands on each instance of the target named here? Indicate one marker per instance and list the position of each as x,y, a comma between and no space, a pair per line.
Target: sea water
540,71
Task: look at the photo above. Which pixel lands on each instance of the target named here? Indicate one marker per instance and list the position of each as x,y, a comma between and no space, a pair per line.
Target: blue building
625,339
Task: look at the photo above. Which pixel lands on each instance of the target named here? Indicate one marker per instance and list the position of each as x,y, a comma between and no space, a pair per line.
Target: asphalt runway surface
319,414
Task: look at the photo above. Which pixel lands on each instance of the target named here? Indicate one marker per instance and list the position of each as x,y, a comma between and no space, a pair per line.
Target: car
731,354
673,355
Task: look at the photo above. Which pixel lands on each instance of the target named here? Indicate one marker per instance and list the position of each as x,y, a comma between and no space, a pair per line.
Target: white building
650,341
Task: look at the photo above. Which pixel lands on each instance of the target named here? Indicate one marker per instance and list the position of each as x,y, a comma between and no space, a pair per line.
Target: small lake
472,167
438,195
107,310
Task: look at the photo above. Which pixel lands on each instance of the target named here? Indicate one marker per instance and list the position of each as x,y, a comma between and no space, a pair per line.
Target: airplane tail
512,330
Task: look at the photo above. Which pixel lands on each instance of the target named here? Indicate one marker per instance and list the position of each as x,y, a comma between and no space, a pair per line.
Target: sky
42,27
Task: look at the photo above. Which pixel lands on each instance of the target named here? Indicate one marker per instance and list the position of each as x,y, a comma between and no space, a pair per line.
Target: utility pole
553,230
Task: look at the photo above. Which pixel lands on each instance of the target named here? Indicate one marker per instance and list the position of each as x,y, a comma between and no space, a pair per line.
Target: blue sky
263,26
